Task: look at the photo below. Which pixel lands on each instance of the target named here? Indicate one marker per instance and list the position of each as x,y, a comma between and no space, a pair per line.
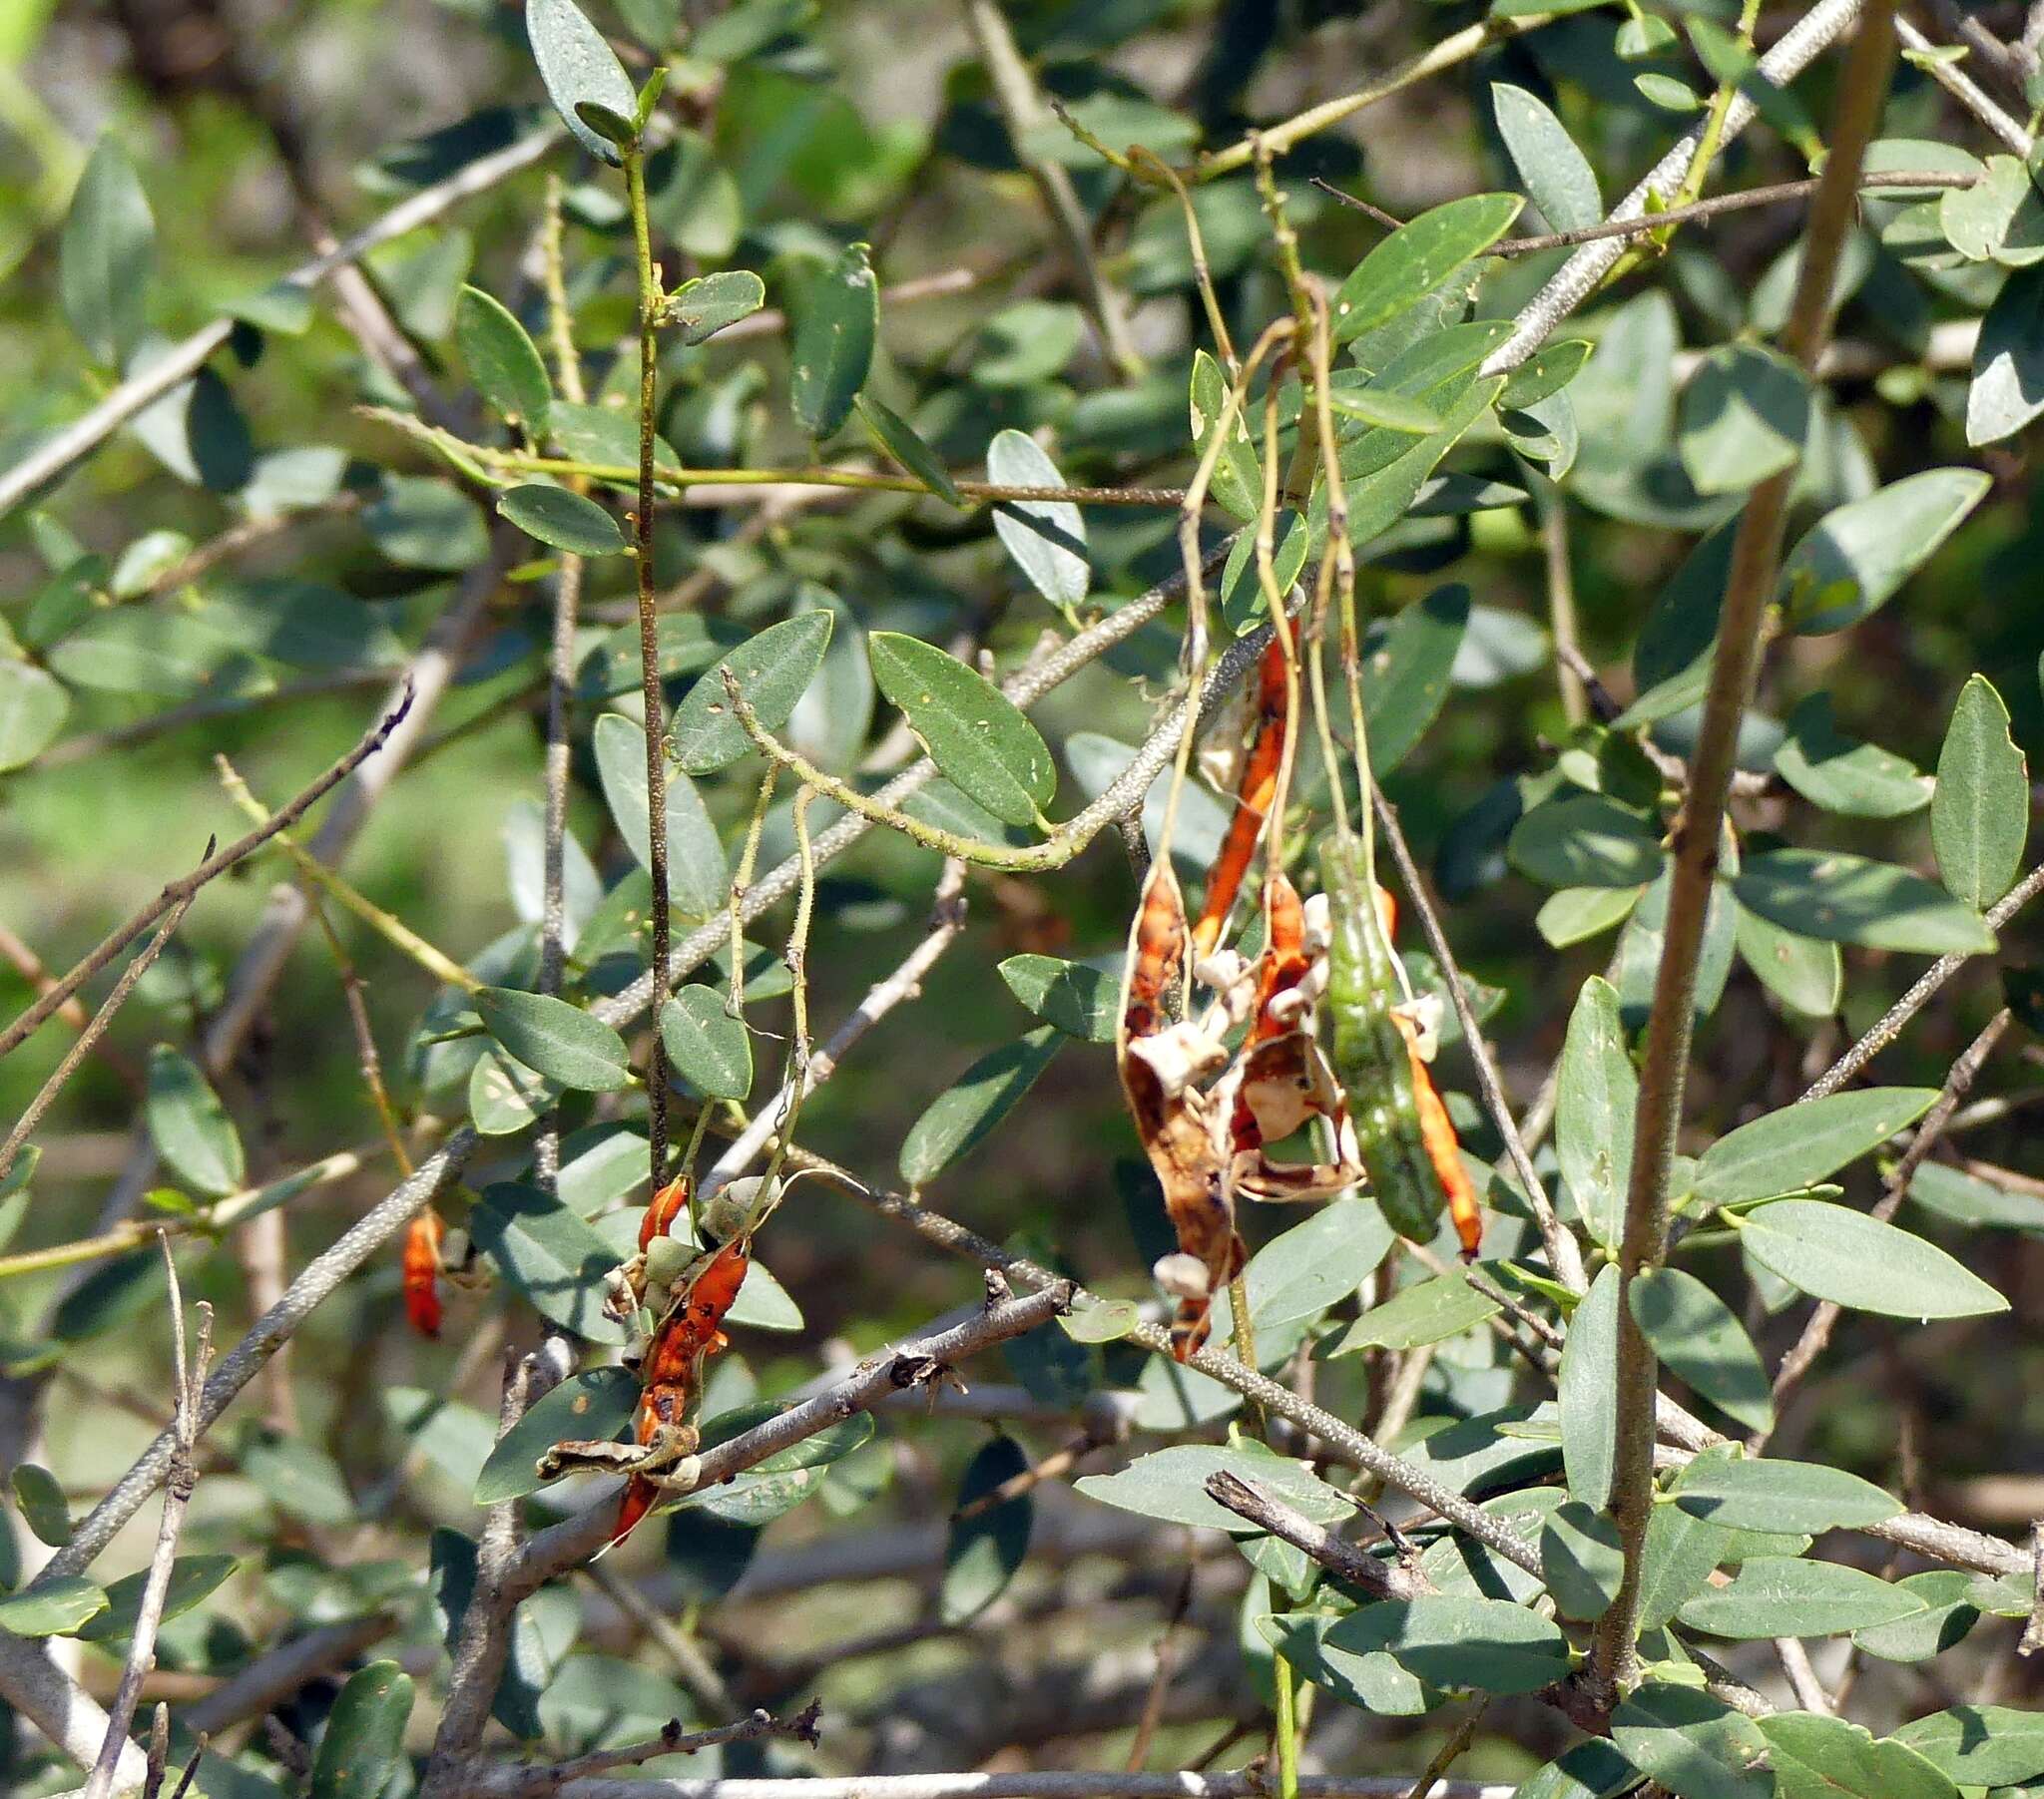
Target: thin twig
190,1378
1802,1677
30,967
183,889
1401,1579
1031,1784
1671,1022
1962,88
32,1116
1445,1757
540,1782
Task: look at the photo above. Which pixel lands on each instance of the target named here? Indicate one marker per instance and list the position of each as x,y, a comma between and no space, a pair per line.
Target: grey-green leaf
698,875
773,671
961,1116
900,440
43,1505
502,359
1587,1391
709,1047
191,1127
60,1607
1697,1335
364,1740
102,260
1585,840
549,1254
595,1406
1236,482
1557,175
1857,554
557,1040
1581,1560
1417,257
1171,1484
579,69
983,1552
1757,1494
1833,1252
1980,1746
1980,814
1744,416
1593,1119
1818,1757
33,707
973,732
568,521
1046,537
1407,673
1694,1745
1800,1145
710,303
1787,1596
1850,899
1082,1001
1428,1311
1841,775
836,323
2007,389
1805,974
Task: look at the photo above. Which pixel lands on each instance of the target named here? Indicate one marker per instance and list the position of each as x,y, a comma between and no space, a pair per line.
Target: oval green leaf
191,1127
898,438
698,875
1046,537
706,1046
1841,775
1593,1118
1587,1393
568,521
1833,1252
33,707
104,256
1697,1335
1786,1596
557,1040
364,1740
773,669
1980,814
836,322
1850,899
707,304
1417,257
60,1607
1800,1145
1585,840
502,359
1755,1493
959,1120
579,69
549,1254
974,734
593,1406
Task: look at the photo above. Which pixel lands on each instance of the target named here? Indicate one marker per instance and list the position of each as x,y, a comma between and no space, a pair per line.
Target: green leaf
898,438
594,1406
1683,1552
365,1741
1106,1321
1696,1746
698,875
1415,259
1302,1271
1407,673
1999,218
1581,1560
781,1481
1848,899
59,1608
191,1127
1980,816
1576,914
1592,1117
43,1505
1947,1613
2007,389
1745,415
568,521
1587,1393
1967,1199
1980,1746
1842,774
1364,1676
194,1579
1170,1483
958,1119
1557,175
982,1553
1786,1596
502,360
1755,1493
104,256
773,669
1585,840
707,1047
1800,1145
299,1478
710,303
1046,537
1429,1311
1805,974
974,734
1455,1640
504,1095
1833,1252
1544,376
1856,555
1380,406
836,322
33,707
1816,1757
421,523
1697,1335
559,1041
549,1254
1082,1001
579,69
1236,482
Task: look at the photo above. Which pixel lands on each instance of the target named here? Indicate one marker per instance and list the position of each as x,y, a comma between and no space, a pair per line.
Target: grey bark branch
1380,1578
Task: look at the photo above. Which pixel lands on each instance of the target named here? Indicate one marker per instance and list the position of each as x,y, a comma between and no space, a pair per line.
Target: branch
912,1364
277,1673
181,891
1889,1024
1251,1783
1381,1579
507,1782
1579,275
186,360
241,1365
61,1709
1968,93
